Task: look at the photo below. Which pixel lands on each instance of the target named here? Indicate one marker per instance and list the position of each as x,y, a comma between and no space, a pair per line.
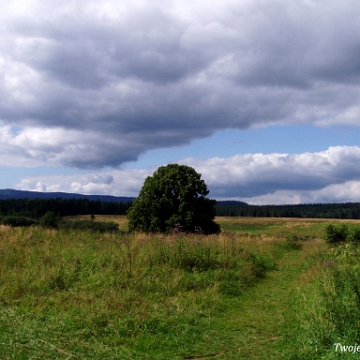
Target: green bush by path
337,234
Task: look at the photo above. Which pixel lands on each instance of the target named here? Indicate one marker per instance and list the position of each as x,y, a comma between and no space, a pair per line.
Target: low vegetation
51,221
262,288
333,309
337,234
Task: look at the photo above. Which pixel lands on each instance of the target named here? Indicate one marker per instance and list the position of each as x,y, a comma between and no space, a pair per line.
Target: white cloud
112,182
32,146
328,176
347,191
257,174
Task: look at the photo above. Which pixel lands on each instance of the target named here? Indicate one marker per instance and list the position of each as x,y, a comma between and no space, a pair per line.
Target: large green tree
174,197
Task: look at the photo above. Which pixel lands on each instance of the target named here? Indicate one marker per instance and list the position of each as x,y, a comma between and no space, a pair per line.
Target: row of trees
37,208
330,211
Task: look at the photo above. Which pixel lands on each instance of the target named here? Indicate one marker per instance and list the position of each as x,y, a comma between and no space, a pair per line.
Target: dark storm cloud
115,79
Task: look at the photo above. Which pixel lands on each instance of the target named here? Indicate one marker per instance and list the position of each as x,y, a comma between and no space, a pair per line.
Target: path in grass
266,325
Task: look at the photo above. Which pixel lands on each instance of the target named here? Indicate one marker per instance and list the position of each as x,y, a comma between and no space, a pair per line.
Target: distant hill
21,194
231,203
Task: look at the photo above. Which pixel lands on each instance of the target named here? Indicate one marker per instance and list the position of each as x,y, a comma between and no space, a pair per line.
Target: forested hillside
77,204
23,194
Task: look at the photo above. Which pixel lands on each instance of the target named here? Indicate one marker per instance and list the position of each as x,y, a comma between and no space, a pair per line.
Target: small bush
355,236
49,220
336,234
17,221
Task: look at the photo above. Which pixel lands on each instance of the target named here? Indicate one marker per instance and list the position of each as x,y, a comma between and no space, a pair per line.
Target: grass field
262,289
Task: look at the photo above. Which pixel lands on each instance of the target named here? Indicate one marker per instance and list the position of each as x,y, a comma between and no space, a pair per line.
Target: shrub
16,221
49,220
355,236
336,234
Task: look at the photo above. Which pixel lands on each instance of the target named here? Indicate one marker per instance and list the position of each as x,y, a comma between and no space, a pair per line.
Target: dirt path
266,326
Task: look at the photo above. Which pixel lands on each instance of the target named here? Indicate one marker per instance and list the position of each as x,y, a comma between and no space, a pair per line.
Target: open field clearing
262,289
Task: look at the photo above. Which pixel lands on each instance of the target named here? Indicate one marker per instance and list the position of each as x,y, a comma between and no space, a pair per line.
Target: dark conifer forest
36,208
329,211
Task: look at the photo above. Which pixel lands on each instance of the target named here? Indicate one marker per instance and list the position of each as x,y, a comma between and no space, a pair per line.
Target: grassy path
265,326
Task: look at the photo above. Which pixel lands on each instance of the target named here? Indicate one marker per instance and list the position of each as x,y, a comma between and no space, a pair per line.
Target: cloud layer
328,176
93,84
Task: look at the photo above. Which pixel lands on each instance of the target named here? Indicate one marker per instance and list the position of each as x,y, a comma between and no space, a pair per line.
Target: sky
261,97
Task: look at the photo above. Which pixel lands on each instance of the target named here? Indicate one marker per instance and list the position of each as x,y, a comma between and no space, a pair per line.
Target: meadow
264,288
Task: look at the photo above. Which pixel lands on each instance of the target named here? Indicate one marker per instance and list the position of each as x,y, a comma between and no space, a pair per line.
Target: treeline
331,211
37,208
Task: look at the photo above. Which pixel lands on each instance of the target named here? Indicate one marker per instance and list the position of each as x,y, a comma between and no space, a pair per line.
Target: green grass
237,295
113,296
334,304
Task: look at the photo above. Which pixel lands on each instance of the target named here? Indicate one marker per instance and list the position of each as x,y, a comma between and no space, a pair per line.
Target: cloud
347,191
327,176
253,175
34,146
108,81
112,182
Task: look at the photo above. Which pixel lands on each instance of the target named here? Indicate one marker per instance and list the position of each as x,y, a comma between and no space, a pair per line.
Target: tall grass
332,310
75,294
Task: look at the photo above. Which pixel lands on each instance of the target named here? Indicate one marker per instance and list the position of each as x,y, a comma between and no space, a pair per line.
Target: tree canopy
174,197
